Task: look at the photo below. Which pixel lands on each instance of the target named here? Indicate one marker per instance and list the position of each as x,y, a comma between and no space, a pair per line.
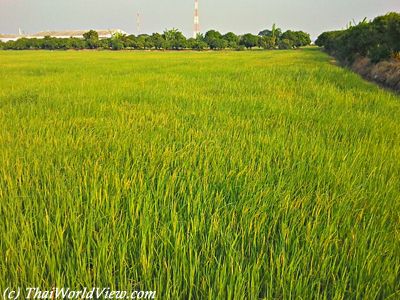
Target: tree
285,44
211,35
190,42
63,44
217,44
130,42
265,32
329,39
174,39
148,42
49,43
140,42
304,38
117,44
249,40
298,38
91,37
158,41
22,44
105,44
215,40
117,36
75,43
274,32
196,44
267,42
8,45
231,39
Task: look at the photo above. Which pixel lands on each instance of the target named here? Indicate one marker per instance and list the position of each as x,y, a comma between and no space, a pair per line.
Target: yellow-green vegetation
209,175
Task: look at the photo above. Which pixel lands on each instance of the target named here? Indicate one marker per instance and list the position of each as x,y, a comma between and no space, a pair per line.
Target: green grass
215,175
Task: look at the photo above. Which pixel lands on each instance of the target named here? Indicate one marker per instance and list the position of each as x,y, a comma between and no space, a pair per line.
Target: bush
379,53
377,40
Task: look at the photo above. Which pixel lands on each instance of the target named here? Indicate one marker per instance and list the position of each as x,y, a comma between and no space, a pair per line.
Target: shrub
379,53
378,40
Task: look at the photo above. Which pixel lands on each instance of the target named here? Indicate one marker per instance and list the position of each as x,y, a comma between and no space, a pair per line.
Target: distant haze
239,16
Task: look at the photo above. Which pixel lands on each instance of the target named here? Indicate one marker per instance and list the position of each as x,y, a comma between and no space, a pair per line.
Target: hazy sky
240,16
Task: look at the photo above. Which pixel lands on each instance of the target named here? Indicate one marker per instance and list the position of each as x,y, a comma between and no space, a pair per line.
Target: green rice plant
209,175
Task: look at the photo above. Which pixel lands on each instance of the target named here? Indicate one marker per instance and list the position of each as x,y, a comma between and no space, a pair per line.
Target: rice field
208,175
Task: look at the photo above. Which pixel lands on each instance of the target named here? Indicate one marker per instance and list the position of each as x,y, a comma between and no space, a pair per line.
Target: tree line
378,40
169,40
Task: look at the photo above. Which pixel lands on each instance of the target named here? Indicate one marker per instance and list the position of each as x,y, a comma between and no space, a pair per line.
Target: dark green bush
377,40
379,53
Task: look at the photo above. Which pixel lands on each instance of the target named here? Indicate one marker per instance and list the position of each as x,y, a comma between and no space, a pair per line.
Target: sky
239,16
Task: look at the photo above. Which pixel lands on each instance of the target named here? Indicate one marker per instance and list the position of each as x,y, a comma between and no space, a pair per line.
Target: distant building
103,34
9,37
